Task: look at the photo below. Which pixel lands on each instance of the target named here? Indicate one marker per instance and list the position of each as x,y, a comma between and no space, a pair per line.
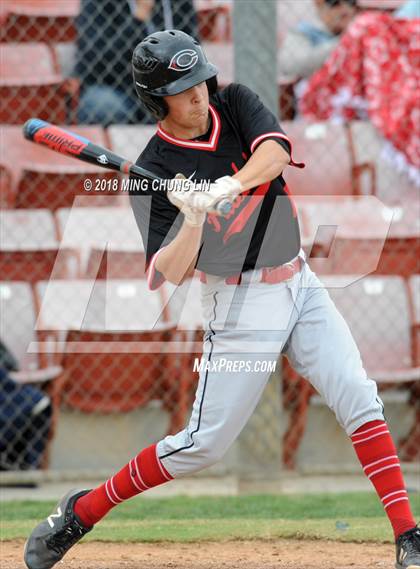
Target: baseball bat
81,148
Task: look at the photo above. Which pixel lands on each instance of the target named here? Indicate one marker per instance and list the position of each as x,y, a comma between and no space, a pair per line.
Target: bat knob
224,207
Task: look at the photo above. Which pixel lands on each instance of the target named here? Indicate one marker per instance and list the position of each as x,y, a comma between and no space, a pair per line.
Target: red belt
269,275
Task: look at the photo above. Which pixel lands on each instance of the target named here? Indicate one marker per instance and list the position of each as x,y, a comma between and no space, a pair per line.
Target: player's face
190,108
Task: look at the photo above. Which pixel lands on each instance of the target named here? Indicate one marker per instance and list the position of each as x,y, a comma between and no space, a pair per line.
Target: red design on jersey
213,219
240,221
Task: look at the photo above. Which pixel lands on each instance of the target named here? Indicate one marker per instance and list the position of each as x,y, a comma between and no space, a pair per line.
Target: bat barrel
70,143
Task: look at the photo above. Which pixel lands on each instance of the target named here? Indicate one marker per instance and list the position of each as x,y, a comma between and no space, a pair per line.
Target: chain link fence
93,364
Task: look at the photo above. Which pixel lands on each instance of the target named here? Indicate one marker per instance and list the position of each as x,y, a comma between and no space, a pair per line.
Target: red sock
141,473
378,456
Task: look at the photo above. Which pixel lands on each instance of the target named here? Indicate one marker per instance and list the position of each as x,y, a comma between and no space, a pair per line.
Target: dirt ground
290,554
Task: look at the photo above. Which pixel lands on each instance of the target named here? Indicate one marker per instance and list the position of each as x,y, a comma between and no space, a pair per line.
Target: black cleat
53,537
408,549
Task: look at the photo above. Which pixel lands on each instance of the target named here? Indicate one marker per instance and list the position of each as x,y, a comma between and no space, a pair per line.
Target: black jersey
260,230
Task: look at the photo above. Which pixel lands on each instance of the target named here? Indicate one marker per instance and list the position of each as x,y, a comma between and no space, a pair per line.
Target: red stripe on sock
152,468
377,454
141,473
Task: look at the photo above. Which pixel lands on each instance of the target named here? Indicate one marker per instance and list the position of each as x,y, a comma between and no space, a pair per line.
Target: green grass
184,519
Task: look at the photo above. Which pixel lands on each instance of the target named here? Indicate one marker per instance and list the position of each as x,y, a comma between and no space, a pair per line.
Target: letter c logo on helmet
183,60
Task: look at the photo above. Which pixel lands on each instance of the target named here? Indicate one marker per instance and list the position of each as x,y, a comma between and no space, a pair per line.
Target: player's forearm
267,162
177,260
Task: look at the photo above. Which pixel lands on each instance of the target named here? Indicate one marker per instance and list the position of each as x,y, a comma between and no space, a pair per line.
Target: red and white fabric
374,73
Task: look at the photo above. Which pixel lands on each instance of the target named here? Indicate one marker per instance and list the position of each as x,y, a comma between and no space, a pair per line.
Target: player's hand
195,201
183,196
225,188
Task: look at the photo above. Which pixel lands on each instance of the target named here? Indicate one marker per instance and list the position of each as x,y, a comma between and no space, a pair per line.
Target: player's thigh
229,388
322,349
239,356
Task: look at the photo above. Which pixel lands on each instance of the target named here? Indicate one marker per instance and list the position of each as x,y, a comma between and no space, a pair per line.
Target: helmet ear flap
160,106
155,105
212,85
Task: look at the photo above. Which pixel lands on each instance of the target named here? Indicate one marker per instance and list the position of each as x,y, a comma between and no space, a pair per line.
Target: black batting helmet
167,63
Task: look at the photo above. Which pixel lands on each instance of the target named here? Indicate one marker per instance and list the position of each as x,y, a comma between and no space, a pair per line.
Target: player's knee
211,455
364,407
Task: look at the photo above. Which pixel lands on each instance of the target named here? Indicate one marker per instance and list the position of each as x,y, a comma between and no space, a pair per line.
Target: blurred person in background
306,47
108,31
25,418
363,79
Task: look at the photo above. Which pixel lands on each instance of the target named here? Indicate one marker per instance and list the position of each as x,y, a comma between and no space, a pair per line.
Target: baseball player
259,297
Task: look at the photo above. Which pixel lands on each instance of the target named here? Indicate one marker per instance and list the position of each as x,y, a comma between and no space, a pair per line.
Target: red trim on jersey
240,221
260,138
152,282
199,145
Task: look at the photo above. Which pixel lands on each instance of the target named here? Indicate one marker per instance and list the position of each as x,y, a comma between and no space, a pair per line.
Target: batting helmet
167,63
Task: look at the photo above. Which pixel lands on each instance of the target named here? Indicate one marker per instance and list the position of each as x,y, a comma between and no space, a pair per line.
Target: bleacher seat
115,264
31,84
412,440
94,231
390,184
401,253
414,285
130,140
46,179
18,332
6,185
385,347
326,173
39,20
115,357
29,250
415,295
115,305
30,229
214,21
347,235
377,311
18,322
